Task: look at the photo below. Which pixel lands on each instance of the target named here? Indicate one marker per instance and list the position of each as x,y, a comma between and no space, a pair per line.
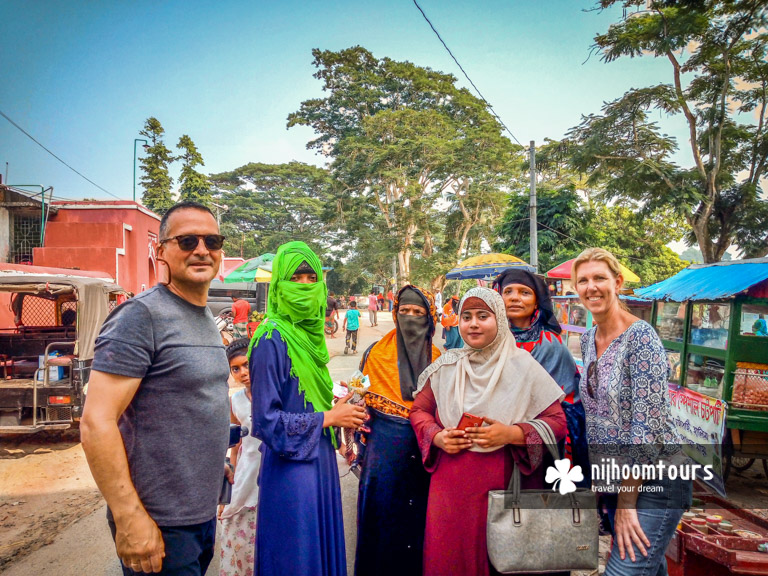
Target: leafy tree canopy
567,225
718,83
270,204
409,149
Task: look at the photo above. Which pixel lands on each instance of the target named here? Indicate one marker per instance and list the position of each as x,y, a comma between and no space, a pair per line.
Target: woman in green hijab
300,526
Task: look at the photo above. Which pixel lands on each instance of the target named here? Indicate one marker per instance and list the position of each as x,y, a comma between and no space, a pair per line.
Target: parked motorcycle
226,326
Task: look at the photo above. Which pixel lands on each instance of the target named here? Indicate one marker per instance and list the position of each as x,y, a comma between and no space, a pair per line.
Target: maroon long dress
455,538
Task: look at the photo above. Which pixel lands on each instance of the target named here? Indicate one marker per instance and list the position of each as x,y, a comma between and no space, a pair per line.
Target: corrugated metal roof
709,281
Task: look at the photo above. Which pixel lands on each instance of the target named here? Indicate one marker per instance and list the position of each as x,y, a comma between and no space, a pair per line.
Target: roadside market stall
710,318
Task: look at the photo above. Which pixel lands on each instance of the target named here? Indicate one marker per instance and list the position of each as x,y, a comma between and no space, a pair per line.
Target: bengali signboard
700,420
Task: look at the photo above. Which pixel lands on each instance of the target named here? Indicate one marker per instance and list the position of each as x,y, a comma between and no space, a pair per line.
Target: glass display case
709,325
705,375
673,361
561,310
670,321
750,386
573,343
577,315
754,320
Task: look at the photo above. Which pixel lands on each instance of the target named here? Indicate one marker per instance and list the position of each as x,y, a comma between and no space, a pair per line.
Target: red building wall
117,237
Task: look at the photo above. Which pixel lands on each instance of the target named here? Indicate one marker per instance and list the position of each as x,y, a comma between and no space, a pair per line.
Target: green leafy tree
394,165
718,82
193,185
156,180
637,238
403,140
561,216
347,278
270,204
692,255
567,225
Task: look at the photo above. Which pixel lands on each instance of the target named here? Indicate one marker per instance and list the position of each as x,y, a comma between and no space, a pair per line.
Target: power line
465,73
28,135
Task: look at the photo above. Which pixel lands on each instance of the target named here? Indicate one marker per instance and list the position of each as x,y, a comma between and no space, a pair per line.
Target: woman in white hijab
493,379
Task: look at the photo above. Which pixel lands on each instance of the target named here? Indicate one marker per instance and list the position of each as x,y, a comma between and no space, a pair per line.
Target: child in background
351,326
238,518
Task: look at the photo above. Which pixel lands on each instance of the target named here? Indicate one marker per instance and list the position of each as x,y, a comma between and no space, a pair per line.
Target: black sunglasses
189,242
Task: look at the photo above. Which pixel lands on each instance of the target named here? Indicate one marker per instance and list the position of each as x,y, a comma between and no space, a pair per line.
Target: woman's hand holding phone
495,434
451,440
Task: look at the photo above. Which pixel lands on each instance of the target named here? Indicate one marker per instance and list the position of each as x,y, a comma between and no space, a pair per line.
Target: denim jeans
188,549
659,513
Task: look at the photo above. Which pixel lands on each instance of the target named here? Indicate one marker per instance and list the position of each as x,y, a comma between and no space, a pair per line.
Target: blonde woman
626,400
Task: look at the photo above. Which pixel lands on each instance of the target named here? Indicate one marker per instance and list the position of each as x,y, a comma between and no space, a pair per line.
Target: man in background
372,306
331,314
241,309
450,322
351,326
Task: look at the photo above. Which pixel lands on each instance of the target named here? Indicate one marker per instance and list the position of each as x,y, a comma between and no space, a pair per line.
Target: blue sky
82,76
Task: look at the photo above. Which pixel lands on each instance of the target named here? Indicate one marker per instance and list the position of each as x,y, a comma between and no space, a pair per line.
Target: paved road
87,548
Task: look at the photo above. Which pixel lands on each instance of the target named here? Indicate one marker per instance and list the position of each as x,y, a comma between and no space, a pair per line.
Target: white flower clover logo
564,475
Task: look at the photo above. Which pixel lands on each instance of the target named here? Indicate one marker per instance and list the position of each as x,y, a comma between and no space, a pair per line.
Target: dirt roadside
45,486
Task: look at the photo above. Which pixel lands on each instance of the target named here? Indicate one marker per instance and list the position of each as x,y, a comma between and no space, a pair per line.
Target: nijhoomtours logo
607,474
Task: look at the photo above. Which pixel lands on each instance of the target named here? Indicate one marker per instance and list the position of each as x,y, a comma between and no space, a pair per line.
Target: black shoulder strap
364,359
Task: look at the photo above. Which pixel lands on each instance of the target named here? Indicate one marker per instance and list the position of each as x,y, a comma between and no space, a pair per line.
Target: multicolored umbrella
485,266
257,269
564,271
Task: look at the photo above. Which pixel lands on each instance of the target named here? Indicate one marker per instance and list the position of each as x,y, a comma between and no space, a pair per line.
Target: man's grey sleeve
125,346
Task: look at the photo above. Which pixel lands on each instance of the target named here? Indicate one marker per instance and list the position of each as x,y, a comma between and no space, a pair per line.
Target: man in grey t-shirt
156,420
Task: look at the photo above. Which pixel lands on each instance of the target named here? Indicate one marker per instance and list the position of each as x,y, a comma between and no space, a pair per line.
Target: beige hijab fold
500,381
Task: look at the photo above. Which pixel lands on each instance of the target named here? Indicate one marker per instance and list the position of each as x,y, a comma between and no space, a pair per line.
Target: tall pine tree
156,180
193,185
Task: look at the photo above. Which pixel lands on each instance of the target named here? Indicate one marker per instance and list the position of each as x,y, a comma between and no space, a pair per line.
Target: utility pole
534,229
219,208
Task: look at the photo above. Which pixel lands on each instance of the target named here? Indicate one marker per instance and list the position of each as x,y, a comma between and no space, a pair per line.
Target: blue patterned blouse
626,396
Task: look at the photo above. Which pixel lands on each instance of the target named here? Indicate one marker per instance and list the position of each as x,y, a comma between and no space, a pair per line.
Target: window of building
709,325
25,236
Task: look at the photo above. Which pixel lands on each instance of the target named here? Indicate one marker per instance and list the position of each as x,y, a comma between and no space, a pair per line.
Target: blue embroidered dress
300,523
626,396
